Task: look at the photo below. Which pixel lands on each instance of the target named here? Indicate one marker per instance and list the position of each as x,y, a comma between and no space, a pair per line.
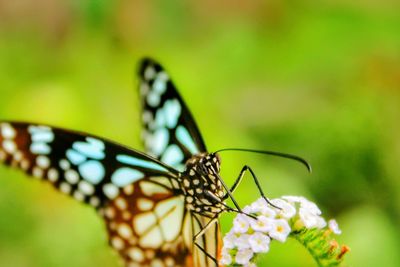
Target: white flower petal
259,242
226,258
243,256
310,219
311,207
242,242
287,210
262,224
321,223
280,230
241,223
294,199
229,240
333,225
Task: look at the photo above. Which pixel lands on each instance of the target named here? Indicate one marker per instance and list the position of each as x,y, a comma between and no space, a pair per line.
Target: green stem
321,245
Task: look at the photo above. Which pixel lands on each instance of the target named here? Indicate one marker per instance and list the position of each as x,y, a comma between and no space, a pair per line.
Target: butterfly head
202,185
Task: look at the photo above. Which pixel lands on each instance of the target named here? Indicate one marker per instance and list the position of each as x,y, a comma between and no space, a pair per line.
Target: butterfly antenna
272,153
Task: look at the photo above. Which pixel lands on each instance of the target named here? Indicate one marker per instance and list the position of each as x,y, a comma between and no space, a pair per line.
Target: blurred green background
320,79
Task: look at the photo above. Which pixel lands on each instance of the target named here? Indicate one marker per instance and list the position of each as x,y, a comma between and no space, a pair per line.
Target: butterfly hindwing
170,132
146,225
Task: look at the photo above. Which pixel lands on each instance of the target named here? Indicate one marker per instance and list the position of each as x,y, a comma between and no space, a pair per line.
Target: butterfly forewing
170,132
89,168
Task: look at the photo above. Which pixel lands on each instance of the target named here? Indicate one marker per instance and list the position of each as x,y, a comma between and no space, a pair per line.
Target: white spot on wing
9,146
145,204
94,201
124,231
153,99
78,196
147,116
144,88
136,254
43,162
64,164
149,73
150,189
163,76
121,203
37,172
65,188
117,243
110,190
86,188
7,131
71,176
52,175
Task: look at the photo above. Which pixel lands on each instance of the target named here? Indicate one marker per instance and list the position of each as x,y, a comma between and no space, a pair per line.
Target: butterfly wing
170,133
146,225
89,168
137,195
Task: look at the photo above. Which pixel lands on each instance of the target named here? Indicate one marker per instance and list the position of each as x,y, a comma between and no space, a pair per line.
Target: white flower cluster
250,236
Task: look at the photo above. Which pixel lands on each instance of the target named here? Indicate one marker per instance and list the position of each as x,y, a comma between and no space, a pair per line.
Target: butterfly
160,208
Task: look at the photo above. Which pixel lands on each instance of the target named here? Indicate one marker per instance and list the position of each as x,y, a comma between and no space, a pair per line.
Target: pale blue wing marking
173,156
40,148
159,141
160,86
92,171
75,157
153,99
42,136
168,115
93,148
126,176
160,119
184,137
172,109
140,163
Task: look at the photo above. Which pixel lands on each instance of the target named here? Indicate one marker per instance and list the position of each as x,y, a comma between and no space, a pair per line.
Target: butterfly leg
201,233
239,179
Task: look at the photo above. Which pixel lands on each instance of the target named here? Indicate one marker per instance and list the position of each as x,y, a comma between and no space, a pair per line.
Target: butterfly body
203,190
